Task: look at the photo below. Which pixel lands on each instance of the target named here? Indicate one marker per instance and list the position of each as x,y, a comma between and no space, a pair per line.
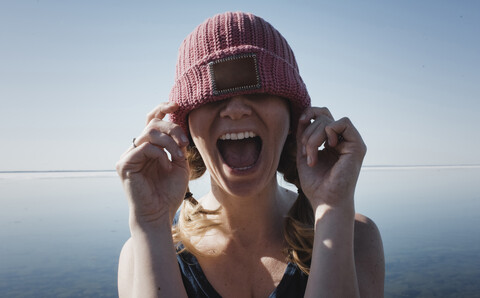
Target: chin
246,184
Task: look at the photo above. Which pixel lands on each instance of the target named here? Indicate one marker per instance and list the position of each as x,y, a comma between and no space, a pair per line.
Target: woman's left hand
328,176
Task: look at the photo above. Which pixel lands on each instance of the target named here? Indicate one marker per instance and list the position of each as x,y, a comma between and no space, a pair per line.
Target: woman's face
240,140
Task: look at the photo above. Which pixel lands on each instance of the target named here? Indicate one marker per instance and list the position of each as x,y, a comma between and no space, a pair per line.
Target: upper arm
125,270
369,258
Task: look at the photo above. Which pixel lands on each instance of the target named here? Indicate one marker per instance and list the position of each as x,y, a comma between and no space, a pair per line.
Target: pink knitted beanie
242,41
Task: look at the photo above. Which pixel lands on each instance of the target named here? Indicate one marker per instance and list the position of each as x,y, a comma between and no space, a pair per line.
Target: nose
236,108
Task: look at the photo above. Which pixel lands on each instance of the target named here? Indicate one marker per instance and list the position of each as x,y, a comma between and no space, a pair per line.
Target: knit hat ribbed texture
235,35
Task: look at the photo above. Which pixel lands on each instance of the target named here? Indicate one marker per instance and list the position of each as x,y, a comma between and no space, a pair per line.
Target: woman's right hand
155,185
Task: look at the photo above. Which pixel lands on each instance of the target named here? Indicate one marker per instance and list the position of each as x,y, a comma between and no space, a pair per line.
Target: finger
181,162
157,126
309,139
343,130
315,114
315,140
314,135
136,159
173,130
337,129
312,127
161,110
301,153
316,127
165,141
133,146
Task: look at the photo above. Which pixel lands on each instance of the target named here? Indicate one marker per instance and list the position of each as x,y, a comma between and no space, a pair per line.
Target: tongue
240,153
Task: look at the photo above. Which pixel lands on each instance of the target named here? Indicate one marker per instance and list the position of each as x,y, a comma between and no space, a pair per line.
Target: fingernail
184,139
303,117
304,150
309,160
180,153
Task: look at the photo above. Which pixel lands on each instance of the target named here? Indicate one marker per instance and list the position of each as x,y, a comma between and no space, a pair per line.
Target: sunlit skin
244,195
267,116
347,257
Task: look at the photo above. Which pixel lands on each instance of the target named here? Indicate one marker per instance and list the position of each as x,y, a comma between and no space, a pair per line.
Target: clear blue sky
78,77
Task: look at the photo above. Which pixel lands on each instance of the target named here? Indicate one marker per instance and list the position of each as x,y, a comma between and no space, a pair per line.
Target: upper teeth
238,136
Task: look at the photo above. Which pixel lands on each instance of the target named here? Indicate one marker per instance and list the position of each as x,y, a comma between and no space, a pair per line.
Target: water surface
429,220
62,232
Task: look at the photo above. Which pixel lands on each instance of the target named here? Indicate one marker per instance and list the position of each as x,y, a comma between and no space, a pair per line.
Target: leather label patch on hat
234,73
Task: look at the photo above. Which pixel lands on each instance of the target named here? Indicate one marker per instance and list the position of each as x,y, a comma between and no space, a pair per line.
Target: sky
77,78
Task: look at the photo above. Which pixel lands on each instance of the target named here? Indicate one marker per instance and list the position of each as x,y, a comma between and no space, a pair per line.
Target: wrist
337,214
334,198
337,204
334,228
149,225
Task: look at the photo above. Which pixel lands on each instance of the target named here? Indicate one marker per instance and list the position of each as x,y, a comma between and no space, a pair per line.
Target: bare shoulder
369,257
366,232
125,270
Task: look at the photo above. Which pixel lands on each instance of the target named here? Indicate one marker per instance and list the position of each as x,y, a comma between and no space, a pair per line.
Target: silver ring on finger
133,143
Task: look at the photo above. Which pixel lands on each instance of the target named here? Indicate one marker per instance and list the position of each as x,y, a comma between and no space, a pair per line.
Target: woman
240,110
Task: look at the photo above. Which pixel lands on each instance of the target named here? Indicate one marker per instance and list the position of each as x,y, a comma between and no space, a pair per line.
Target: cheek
196,125
198,128
279,125
278,109
200,120
280,120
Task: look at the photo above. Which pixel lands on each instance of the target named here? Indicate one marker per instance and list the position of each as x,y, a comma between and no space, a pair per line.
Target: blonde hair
194,220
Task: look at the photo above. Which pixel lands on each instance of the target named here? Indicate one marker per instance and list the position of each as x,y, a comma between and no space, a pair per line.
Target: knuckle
120,167
323,110
165,139
150,115
150,122
363,146
152,132
176,129
346,120
170,127
163,126
308,112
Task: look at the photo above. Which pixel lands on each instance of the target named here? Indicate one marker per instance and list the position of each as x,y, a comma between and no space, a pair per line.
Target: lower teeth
244,168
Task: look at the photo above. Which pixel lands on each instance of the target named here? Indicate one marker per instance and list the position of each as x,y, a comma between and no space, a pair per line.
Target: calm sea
61,233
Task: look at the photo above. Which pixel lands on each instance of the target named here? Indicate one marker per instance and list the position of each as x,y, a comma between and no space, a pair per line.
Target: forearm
156,272
332,270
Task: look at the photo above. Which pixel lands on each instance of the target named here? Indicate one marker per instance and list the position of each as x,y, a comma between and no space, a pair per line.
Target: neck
253,217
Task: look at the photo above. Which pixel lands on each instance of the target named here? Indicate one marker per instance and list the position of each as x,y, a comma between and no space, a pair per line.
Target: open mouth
240,151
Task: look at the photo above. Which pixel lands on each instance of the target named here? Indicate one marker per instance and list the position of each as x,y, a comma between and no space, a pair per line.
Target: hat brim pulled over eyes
249,56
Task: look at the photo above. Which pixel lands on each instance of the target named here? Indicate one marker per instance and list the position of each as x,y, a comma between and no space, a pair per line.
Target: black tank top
292,285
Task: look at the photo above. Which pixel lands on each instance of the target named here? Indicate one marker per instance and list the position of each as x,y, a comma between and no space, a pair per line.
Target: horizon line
364,166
